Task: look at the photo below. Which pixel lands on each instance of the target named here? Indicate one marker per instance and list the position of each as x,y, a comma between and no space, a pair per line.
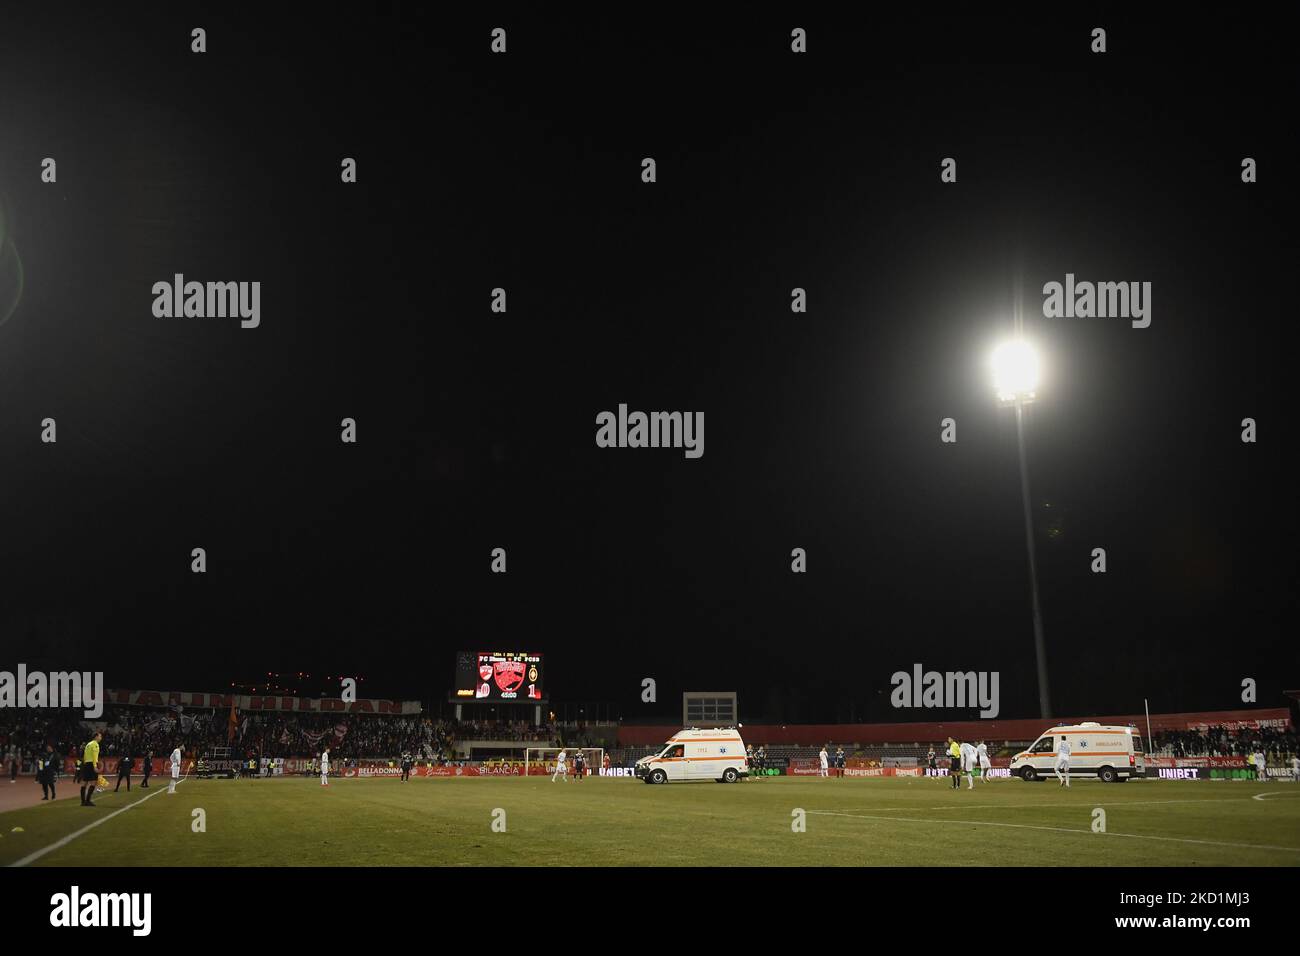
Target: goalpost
546,758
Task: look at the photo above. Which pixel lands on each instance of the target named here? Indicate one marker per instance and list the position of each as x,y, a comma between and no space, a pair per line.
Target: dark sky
476,430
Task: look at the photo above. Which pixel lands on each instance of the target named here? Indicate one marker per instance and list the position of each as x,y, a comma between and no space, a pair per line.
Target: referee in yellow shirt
90,769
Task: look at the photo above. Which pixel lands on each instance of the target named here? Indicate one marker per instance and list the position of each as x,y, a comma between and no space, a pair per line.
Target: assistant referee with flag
90,769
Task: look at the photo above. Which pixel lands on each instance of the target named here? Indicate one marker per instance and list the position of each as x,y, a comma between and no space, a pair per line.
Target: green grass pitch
619,822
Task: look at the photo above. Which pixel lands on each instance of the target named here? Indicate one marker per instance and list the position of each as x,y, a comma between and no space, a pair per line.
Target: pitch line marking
32,857
1276,793
1033,806
1027,826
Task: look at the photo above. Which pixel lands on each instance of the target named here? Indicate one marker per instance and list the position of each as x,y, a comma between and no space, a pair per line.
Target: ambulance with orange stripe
1112,754
713,753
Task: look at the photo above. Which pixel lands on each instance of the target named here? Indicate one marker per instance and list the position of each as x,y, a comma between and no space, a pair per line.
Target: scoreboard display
498,675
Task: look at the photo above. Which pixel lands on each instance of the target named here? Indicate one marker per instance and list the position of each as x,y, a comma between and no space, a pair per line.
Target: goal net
546,758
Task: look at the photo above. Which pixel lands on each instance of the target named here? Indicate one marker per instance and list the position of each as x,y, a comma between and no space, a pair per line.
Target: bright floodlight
1015,371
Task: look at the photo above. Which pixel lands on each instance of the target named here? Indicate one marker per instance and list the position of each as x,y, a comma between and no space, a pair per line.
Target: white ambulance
1112,754
713,753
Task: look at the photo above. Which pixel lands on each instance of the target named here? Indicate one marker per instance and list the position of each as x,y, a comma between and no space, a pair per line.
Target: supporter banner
258,702
1279,722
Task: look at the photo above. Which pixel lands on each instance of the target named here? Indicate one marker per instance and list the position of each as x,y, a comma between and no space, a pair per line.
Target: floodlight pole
1040,650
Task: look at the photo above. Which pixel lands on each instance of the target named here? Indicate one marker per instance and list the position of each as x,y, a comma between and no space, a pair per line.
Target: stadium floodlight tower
1015,379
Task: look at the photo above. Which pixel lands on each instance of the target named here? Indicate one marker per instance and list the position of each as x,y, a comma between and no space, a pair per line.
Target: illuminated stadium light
1015,372
1015,380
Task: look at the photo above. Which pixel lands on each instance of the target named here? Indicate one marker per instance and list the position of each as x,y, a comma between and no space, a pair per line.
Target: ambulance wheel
1107,774
658,776
729,775
1027,774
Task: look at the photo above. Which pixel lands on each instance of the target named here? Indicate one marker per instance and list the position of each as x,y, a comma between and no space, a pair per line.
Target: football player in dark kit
148,768
124,767
579,765
407,763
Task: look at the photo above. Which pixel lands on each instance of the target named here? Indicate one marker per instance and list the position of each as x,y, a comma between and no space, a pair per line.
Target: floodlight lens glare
1015,370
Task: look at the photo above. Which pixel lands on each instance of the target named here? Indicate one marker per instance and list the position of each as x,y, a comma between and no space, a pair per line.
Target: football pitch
623,822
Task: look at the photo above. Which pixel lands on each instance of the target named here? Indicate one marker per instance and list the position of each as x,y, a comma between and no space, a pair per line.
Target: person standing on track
124,767
46,768
176,769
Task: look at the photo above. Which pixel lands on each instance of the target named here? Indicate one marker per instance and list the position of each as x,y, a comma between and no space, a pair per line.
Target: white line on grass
1031,806
1048,806
32,857
1027,826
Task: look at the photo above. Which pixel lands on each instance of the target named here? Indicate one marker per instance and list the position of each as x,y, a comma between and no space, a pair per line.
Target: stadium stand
139,730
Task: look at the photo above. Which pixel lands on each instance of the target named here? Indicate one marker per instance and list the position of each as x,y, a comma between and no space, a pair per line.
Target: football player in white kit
561,767
824,761
968,763
325,767
176,769
1261,766
982,751
1063,761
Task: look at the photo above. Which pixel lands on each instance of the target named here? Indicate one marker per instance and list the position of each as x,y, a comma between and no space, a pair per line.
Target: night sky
476,430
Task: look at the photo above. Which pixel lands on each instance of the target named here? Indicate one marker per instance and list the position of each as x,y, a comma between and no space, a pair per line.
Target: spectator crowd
138,731
1218,741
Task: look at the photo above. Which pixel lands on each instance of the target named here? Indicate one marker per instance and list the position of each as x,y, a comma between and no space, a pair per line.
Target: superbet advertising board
498,675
